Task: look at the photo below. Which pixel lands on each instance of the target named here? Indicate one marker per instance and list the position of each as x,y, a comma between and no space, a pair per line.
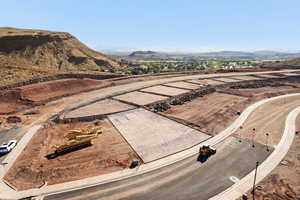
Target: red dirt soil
284,181
212,113
32,169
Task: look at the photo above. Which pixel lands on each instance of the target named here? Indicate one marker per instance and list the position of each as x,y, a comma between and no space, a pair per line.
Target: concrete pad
153,136
246,78
103,107
140,98
227,80
207,82
164,90
184,85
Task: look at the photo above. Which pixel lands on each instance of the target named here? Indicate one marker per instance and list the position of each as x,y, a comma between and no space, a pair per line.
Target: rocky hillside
294,63
50,50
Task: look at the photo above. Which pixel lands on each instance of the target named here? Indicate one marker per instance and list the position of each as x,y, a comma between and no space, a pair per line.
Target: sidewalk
268,165
74,185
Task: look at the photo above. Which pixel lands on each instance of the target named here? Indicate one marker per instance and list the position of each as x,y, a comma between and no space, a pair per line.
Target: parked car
6,147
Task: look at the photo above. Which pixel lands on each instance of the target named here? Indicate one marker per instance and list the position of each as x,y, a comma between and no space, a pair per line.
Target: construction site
92,134
76,124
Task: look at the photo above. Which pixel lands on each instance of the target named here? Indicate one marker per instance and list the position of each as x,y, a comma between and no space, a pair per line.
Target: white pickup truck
6,147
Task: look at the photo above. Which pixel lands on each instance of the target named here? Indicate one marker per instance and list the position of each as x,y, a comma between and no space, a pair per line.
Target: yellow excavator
76,139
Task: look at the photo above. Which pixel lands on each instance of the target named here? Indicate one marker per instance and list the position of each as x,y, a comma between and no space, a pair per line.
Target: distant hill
50,50
294,63
217,54
240,54
147,55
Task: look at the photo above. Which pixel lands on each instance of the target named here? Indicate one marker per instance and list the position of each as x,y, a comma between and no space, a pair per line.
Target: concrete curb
127,173
268,165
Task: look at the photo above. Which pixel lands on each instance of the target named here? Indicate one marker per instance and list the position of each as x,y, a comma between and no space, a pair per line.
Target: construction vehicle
85,133
76,139
205,152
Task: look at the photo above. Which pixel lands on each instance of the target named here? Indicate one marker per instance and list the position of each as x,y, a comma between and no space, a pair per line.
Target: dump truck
205,152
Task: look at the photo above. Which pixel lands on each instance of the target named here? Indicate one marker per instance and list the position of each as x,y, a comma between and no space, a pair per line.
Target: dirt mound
11,100
107,154
52,50
17,99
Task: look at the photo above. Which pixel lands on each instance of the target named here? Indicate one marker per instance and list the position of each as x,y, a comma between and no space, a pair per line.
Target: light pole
267,137
253,134
241,127
253,190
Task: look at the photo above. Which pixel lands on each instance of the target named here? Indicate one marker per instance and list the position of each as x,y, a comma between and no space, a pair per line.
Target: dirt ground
48,90
268,119
226,80
99,108
20,98
265,91
32,169
208,81
184,85
140,98
284,181
212,113
246,78
164,90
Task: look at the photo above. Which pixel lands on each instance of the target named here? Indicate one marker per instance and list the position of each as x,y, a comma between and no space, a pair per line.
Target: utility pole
253,190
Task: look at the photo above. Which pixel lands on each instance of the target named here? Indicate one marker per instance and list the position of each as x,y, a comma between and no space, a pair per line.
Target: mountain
50,50
226,54
255,54
147,55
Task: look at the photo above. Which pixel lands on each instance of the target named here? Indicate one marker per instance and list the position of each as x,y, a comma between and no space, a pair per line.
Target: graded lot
106,155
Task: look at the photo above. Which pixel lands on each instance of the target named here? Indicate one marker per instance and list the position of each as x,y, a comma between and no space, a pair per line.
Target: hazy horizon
169,26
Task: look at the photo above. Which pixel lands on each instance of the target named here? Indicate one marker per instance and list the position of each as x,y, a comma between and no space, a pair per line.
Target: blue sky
172,25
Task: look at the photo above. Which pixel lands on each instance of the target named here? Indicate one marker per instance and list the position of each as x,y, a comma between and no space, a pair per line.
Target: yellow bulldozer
205,152
76,139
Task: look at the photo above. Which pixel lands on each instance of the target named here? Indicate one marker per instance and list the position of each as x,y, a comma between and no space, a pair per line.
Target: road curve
215,140
143,169
269,164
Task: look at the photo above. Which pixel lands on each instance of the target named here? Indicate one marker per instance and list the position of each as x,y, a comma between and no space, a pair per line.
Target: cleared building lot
227,80
207,82
99,108
246,78
153,136
140,98
164,90
212,113
186,179
184,85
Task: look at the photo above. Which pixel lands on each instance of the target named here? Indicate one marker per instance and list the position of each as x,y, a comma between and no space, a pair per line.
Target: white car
6,147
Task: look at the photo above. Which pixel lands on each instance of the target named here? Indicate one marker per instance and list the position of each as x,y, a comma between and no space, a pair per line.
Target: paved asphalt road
10,134
185,180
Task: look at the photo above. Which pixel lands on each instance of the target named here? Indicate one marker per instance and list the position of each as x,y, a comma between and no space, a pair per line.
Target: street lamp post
253,189
241,127
267,134
253,134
